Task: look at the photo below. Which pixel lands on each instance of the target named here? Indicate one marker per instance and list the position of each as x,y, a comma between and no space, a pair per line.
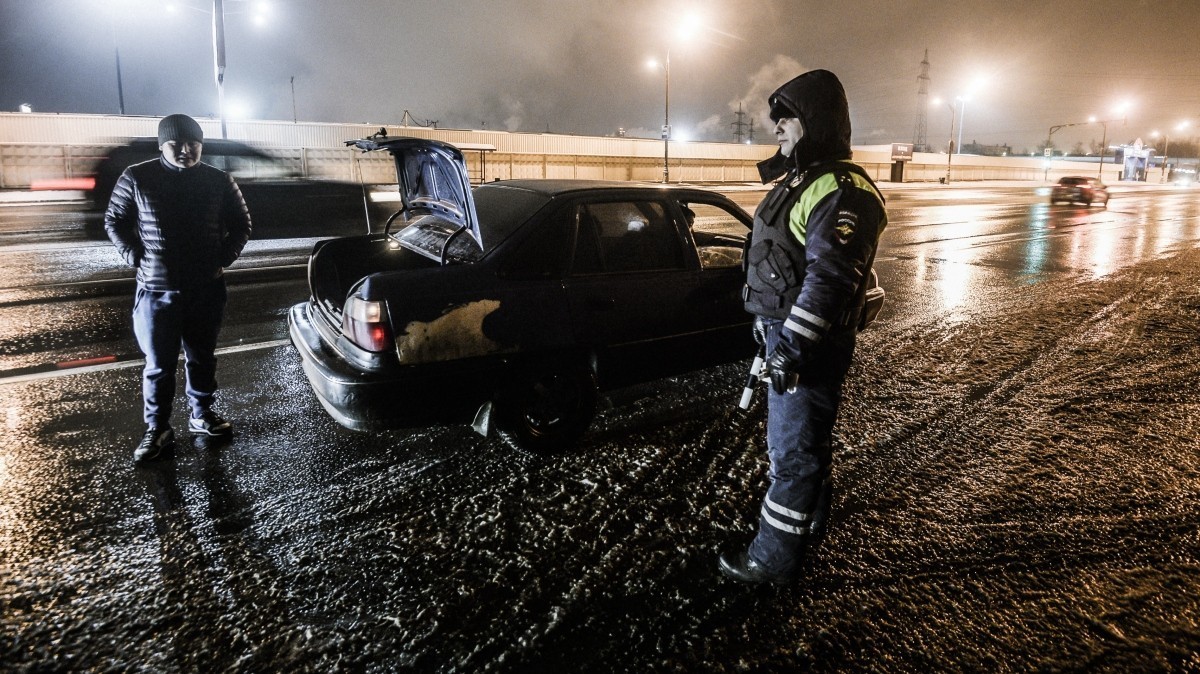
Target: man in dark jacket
808,264
180,222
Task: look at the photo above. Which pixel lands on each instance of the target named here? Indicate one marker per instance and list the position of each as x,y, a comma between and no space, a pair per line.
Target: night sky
578,67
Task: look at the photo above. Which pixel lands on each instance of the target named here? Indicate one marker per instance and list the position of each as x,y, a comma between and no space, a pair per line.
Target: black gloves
783,366
760,332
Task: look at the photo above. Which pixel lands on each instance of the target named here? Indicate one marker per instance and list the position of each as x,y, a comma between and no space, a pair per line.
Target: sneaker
210,423
154,443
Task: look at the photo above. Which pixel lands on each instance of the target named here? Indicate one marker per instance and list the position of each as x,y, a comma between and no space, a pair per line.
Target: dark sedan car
510,307
282,204
1079,189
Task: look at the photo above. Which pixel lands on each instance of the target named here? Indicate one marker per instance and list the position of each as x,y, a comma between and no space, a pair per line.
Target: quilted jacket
179,227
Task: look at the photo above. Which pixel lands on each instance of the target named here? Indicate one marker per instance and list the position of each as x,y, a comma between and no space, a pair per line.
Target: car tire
548,409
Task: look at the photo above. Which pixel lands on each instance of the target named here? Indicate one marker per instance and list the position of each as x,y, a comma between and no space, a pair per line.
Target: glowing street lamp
962,99
683,31
218,36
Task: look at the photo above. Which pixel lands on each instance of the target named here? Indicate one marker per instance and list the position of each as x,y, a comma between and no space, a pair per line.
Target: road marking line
66,370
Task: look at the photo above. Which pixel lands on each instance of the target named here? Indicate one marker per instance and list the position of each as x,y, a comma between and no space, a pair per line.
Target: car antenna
363,186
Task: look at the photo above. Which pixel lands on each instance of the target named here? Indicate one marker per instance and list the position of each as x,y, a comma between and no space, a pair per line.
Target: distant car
1079,189
510,307
1182,176
282,205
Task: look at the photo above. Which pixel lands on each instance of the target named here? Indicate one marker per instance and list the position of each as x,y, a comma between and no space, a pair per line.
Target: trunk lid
433,181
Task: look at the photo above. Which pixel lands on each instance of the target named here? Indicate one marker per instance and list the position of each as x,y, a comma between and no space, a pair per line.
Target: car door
629,286
718,231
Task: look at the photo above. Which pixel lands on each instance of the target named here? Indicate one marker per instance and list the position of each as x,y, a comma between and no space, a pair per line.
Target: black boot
739,566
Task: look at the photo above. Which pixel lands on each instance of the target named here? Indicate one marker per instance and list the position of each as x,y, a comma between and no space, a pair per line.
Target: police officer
808,263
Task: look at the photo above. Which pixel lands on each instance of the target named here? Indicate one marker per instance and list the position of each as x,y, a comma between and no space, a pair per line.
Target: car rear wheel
547,409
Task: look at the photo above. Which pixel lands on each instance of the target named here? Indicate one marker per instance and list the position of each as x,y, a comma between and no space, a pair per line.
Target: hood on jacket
818,100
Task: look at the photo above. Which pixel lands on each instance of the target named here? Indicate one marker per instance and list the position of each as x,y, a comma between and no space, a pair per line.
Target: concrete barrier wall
36,148
26,164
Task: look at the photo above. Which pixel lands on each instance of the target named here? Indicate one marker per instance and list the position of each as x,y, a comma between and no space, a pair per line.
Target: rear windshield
502,210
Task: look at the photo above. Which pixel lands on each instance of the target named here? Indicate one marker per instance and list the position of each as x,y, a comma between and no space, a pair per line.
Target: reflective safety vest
775,260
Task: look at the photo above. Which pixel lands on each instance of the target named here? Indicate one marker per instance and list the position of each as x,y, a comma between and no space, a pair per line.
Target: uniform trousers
800,447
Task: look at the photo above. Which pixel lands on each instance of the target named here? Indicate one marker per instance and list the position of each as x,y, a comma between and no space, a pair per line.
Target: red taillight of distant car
365,323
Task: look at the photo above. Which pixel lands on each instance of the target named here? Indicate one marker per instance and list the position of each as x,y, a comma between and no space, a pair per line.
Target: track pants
164,320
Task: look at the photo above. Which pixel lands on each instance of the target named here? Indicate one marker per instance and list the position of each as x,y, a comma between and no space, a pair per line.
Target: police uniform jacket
815,234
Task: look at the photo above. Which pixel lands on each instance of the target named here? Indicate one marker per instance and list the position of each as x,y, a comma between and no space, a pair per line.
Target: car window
626,236
720,236
543,254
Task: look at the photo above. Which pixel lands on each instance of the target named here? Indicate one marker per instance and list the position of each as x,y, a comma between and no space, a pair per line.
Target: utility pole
739,124
293,80
920,139
218,30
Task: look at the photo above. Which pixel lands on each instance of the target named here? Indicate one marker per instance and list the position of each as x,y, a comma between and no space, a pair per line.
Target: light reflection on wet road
302,545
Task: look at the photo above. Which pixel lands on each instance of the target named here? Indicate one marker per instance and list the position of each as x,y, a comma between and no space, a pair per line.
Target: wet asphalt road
1018,482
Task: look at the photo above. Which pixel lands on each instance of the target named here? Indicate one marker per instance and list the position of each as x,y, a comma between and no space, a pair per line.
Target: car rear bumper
408,396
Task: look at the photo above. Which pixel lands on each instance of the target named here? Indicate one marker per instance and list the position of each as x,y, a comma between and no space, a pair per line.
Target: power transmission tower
408,120
920,139
750,133
739,124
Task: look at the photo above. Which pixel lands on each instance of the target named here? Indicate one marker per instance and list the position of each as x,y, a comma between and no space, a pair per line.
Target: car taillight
365,324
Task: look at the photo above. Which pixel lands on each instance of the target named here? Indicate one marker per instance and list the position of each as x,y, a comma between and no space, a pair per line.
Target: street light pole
962,113
117,50
218,27
1049,152
666,130
950,144
120,87
1103,148
1166,155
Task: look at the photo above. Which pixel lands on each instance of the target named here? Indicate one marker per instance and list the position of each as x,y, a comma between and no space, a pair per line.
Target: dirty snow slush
1017,490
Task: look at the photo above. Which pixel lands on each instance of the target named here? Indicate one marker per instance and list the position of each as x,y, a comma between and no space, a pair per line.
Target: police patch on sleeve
847,224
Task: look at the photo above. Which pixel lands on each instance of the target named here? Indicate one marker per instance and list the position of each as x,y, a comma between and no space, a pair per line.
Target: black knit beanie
180,128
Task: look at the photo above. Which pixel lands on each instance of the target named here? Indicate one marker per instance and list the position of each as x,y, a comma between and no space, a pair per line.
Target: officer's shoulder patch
847,224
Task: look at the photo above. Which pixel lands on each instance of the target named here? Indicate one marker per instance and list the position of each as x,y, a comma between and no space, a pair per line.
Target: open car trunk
435,195
336,267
